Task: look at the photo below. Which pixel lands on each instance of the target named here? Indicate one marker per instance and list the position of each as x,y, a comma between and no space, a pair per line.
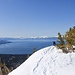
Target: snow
47,61
73,46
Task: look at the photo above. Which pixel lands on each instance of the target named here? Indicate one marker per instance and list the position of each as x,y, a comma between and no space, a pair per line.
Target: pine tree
61,40
34,50
70,36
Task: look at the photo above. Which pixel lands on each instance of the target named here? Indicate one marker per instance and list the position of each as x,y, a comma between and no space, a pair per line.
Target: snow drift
47,61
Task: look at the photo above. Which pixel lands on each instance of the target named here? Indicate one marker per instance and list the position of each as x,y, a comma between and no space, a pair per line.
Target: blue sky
27,18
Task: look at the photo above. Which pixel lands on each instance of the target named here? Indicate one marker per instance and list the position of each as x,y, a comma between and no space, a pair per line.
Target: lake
25,46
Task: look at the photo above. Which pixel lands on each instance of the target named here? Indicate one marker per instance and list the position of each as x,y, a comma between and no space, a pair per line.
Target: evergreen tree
34,50
70,36
61,40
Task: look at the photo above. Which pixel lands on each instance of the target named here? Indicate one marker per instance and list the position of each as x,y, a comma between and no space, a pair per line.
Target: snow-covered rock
47,61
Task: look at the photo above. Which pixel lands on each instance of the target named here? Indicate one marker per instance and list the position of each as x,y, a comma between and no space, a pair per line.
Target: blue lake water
25,46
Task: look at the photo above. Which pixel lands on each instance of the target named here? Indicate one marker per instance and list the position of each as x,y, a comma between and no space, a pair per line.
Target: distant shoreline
4,42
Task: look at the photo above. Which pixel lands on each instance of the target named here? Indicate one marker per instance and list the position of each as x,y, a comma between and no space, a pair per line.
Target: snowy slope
47,61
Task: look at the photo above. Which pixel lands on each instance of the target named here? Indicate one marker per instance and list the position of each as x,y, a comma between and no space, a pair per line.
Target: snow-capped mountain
40,37
47,61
